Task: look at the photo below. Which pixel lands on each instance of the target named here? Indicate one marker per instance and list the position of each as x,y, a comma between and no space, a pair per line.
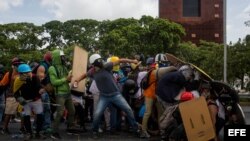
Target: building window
216,15
216,35
191,8
193,35
216,5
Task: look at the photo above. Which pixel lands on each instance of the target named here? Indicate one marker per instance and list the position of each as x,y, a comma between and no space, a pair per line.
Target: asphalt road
123,136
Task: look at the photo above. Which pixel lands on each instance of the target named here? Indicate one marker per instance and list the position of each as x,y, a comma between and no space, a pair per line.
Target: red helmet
185,96
47,56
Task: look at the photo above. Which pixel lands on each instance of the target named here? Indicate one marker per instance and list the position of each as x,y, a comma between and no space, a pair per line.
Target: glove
21,101
196,75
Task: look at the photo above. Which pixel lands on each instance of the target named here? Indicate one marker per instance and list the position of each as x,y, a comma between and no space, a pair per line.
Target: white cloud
235,22
7,4
100,9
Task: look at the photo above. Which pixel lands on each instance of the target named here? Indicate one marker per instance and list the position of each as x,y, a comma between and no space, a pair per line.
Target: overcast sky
42,11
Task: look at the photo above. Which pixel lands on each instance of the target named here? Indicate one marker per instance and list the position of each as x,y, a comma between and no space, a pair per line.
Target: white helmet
61,53
187,71
94,57
161,58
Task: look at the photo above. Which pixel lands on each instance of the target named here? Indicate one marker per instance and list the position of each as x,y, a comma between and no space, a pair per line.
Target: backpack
5,88
145,80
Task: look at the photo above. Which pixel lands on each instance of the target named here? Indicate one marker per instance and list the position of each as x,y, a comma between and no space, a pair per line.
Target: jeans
47,110
107,113
119,101
2,106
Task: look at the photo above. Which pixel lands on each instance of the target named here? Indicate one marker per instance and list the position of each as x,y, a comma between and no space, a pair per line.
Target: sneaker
144,134
28,137
56,136
5,131
100,130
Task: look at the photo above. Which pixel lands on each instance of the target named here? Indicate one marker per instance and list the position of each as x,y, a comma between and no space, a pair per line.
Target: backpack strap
156,79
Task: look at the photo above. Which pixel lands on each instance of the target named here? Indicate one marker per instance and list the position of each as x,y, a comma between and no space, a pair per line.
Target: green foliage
124,38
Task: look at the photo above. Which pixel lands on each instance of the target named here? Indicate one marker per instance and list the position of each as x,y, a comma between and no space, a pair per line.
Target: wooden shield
80,59
177,62
196,120
204,75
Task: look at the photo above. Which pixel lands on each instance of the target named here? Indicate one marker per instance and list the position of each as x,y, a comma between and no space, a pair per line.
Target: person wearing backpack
42,73
133,90
11,104
169,90
156,69
60,78
148,87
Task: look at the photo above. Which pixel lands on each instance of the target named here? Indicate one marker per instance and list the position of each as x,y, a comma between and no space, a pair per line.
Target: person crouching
27,91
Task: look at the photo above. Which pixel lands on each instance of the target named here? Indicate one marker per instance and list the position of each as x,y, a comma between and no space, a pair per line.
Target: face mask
28,79
25,77
98,63
63,60
163,64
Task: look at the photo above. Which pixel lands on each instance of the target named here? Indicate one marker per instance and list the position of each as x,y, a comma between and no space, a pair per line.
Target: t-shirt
104,79
139,78
170,85
93,88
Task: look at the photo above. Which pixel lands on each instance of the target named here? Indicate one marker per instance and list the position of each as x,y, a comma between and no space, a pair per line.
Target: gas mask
163,64
25,77
98,63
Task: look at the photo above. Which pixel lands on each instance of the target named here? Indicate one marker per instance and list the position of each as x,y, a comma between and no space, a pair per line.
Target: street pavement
122,136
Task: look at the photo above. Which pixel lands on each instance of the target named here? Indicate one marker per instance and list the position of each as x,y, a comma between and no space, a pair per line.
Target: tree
55,31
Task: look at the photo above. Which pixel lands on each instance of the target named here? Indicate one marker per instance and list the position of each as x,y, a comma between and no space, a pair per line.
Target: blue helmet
23,68
150,61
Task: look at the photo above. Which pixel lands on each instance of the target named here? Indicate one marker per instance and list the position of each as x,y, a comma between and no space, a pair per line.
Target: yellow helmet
114,59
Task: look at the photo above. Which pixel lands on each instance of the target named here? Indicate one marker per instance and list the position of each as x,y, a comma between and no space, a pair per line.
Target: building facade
202,19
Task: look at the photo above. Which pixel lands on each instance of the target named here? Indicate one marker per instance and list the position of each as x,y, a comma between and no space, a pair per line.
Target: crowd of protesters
114,99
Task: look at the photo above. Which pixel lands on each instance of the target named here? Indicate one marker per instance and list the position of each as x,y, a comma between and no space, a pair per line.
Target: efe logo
237,132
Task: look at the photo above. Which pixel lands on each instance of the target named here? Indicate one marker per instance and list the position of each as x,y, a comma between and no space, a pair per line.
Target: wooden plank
80,59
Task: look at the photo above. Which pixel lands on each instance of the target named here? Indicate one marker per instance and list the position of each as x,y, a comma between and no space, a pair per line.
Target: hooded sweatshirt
58,74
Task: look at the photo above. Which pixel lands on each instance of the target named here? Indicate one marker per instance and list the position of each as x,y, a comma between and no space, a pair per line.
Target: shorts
11,106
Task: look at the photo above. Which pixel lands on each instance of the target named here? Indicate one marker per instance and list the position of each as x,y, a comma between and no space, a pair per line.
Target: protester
43,75
216,110
169,90
11,104
109,91
60,78
132,90
28,90
96,96
2,94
